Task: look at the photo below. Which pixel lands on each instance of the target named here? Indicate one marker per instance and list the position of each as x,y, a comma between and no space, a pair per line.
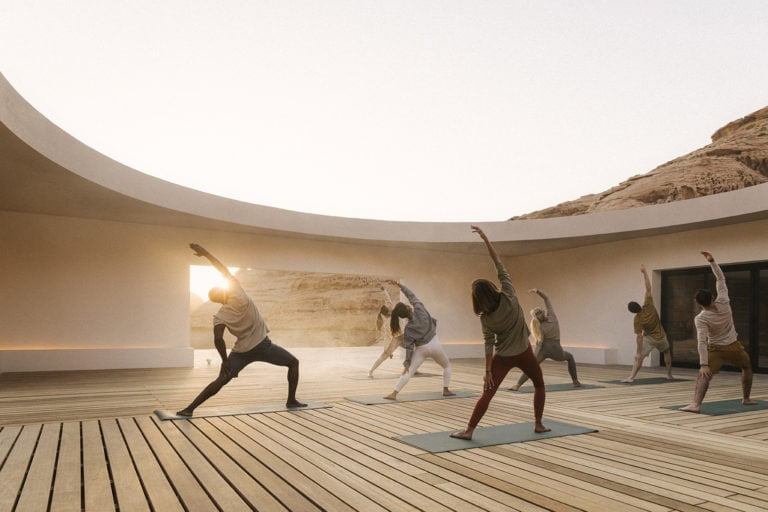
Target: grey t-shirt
243,319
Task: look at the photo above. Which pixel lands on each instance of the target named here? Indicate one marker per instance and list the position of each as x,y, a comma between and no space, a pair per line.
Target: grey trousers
552,350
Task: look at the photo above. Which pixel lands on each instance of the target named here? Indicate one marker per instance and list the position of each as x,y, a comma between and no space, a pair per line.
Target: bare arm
488,245
720,286
647,281
202,251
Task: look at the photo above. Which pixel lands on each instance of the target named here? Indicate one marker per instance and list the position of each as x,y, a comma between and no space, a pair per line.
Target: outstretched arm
720,286
547,303
648,292
488,245
202,251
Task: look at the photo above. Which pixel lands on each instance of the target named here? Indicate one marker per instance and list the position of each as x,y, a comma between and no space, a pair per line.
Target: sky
410,110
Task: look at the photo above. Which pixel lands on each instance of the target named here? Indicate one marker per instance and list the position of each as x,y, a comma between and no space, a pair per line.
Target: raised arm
488,245
647,281
202,251
547,303
720,286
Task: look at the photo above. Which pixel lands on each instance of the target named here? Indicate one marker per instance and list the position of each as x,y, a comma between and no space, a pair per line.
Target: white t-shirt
715,327
243,319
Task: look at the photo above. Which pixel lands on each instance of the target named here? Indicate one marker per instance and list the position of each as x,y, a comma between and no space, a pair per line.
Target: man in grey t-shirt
242,318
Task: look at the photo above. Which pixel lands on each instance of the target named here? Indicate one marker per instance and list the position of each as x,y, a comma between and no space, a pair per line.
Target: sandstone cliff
304,309
736,158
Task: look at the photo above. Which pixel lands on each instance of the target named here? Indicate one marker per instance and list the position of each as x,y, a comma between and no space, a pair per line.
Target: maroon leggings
500,366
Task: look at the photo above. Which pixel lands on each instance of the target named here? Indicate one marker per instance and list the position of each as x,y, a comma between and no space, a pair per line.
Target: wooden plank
128,489
223,495
189,490
38,483
96,480
248,487
159,491
67,488
15,467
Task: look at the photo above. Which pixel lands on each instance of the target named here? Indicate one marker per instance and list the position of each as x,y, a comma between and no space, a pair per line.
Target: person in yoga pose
649,331
506,342
419,338
718,341
383,332
242,318
546,331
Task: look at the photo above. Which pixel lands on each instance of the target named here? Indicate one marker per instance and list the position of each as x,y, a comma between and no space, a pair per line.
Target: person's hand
705,372
642,268
708,256
199,249
479,231
533,290
487,380
225,367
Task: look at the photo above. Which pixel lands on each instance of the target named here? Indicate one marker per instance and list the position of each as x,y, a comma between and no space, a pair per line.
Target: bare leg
668,363
293,383
635,368
702,384
746,386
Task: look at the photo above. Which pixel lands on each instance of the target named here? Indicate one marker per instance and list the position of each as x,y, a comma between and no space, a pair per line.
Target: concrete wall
86,294
81,293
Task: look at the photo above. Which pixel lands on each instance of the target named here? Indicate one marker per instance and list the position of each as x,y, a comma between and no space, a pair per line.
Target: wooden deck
89,441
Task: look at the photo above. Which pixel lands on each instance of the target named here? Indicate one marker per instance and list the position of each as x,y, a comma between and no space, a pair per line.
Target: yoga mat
641,382
207,412
723,407
408,397
438,442
385,375
565,386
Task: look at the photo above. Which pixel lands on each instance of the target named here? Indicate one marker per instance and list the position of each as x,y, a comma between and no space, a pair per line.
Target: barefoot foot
514,388
391,396
748,401
294,404
540,428
462,434
691,408
577,384
448,392
185,413
628,381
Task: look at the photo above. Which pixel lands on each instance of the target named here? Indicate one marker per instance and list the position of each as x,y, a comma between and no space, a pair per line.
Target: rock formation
304,309
736,158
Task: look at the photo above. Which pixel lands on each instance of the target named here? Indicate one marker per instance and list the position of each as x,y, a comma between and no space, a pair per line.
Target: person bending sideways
649,331
545,328
241,317
419,338
506,342
718,341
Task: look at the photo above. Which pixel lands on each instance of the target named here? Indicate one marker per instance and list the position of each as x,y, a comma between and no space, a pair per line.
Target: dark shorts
266,351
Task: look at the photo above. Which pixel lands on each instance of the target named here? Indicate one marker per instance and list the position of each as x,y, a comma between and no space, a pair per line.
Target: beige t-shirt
242,318
647,321
715,327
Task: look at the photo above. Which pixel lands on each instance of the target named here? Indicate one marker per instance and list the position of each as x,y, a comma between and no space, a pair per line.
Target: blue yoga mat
723,407
649,380
207,412
437,442
560,387
407,397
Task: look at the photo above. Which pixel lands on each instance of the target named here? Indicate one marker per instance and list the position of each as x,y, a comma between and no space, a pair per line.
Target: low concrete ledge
592,355
41,360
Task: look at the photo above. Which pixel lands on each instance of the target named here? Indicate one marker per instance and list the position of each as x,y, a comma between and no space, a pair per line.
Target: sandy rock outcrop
736,158
305,309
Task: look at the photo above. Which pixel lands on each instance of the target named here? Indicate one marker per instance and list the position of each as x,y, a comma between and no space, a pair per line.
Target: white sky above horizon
438,110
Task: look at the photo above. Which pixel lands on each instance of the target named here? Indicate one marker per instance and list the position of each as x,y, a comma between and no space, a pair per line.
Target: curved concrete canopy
44,170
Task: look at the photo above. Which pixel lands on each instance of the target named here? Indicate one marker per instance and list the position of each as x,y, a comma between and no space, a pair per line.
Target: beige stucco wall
81,293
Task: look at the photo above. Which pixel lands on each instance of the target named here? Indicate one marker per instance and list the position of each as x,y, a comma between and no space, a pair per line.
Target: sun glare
204,277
